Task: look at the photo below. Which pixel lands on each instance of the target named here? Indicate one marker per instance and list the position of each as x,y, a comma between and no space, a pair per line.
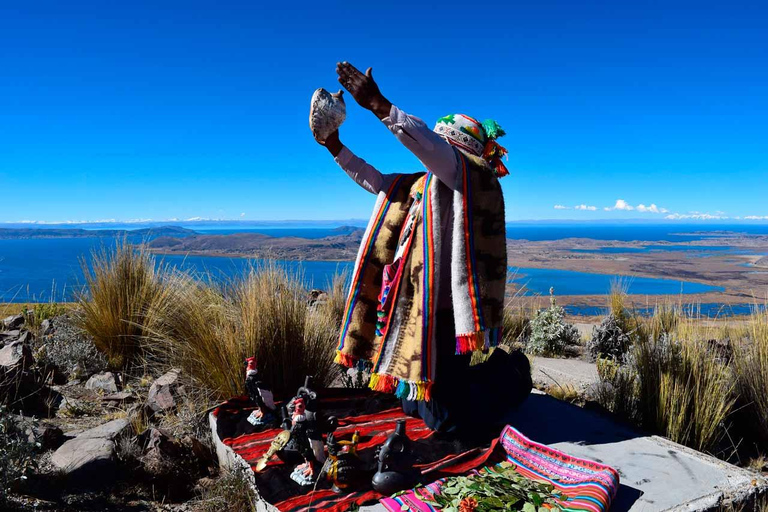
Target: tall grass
209,330
674,383
750,363
125,287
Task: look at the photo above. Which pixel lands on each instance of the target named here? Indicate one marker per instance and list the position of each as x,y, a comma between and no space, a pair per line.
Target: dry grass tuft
208,331
125,288
750,363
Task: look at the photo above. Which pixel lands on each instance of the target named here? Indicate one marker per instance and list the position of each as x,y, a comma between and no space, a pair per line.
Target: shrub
125,287
72,351
43,311
609,340
17,453
550,333
208,331
673,387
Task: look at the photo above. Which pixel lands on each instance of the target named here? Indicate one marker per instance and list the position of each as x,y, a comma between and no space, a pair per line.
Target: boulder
110,430
163,392
103,382
91,455
13,321
10,335
16,355
92,451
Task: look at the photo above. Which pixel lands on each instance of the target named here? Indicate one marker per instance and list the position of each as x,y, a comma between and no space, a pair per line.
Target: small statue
302,419
395,472
344,466
260,394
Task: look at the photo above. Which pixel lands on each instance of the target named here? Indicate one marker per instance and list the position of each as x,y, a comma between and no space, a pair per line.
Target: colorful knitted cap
475,138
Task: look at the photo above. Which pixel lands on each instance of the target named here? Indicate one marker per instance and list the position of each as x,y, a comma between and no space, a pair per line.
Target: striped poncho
389,319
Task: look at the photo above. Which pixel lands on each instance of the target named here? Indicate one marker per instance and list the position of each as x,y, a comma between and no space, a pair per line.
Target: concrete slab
575,372
656,474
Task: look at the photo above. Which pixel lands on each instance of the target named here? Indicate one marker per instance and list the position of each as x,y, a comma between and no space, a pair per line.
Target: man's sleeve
364,174
435,153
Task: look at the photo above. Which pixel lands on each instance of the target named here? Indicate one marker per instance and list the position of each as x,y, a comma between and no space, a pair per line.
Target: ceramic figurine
301,417
326,113
344,466
395,472
260,394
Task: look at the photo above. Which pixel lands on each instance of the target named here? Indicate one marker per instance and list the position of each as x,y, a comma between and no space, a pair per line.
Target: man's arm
364,174
435,153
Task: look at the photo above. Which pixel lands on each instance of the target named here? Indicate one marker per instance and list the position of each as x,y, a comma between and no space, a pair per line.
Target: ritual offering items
395,471
307,427
278,443
344,466
326,113
260,394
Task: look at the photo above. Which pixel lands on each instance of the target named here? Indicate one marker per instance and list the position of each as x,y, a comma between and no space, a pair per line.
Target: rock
16,354
103,382
92,451
72,407
25,337
13,334
173,464
46,327
162,394
91,455
50,437
13,321
121,396
110,430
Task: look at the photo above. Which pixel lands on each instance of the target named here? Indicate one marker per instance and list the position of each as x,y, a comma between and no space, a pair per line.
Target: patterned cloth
398,340
586,485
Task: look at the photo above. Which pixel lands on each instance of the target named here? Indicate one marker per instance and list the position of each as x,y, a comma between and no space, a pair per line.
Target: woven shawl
403,355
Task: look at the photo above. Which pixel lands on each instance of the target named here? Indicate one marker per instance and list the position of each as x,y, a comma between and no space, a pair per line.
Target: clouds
695,216
619,205
651,209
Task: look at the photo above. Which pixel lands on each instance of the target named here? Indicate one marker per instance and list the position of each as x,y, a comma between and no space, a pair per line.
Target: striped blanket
586,485
389,318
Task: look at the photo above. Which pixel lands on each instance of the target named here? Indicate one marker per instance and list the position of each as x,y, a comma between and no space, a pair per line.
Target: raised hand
363,88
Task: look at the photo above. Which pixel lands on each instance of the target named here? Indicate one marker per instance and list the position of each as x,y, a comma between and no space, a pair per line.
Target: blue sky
173,110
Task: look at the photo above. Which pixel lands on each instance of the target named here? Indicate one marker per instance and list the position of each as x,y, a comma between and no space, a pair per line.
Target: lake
49,269
537,281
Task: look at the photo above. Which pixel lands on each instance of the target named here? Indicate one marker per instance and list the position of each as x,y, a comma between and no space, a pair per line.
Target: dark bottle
395,472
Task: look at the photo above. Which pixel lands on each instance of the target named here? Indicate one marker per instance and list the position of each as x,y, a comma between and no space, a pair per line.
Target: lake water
534,231
50,269
537,281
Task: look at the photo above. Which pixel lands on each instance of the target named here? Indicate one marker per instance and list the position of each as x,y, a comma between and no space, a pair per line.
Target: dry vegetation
140,312
703,384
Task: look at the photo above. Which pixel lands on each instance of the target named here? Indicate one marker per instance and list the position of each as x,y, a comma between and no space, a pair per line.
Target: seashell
326,113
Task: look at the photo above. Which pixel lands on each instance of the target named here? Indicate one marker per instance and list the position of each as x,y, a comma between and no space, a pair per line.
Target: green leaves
497,489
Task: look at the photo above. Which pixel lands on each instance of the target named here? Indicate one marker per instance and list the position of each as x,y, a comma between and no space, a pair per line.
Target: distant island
341,246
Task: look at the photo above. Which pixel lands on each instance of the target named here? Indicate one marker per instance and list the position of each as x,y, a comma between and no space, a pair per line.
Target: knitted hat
475,138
